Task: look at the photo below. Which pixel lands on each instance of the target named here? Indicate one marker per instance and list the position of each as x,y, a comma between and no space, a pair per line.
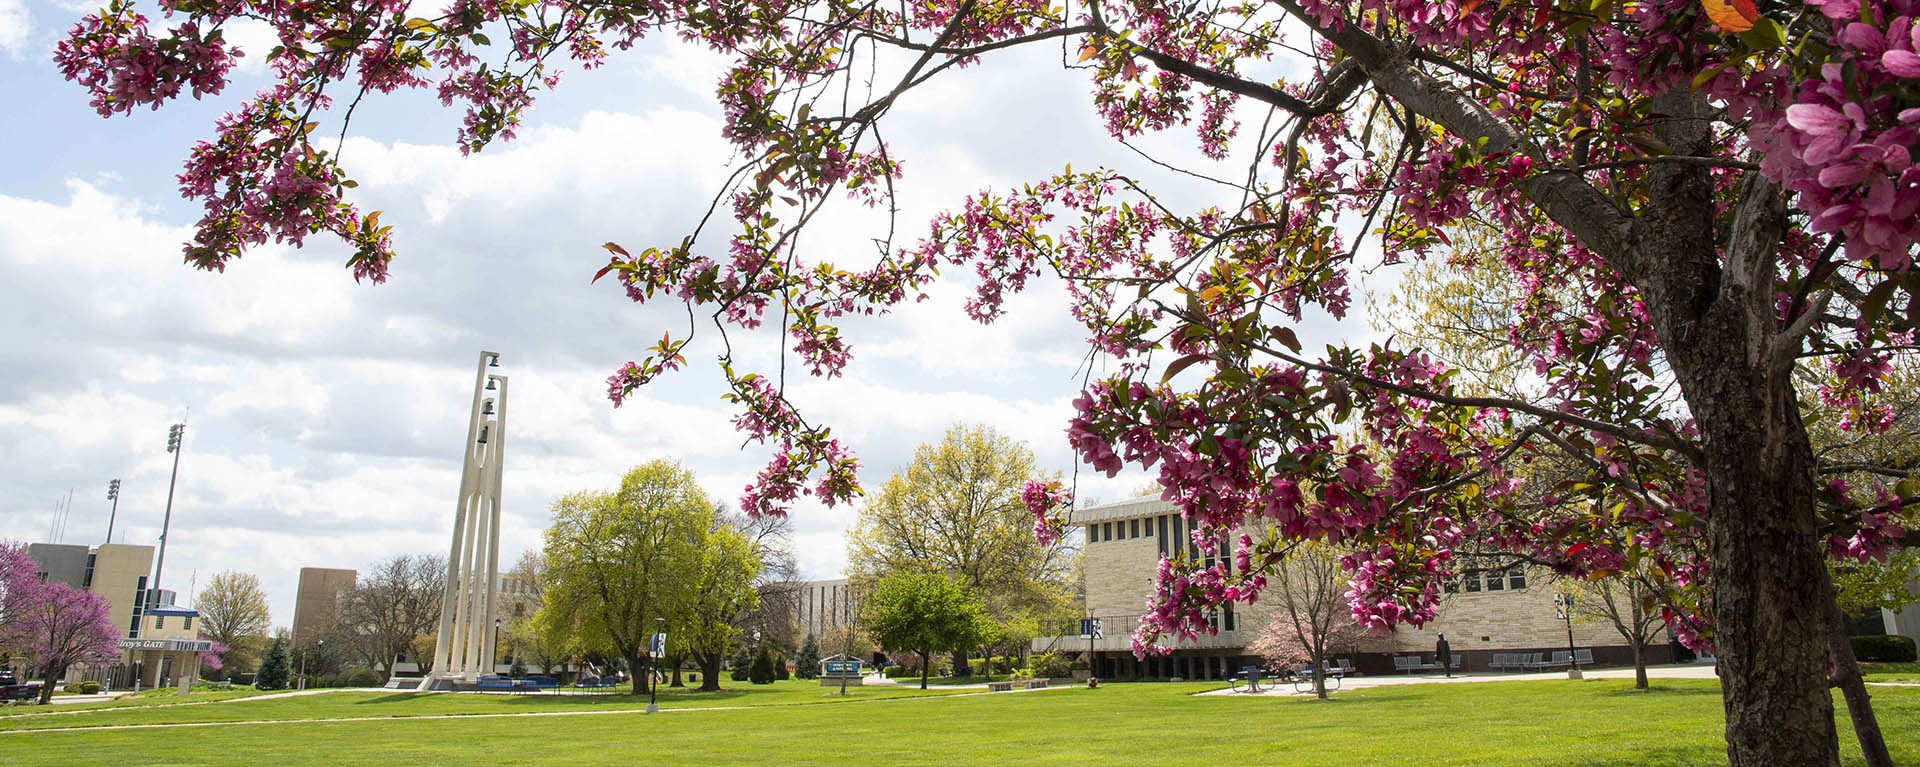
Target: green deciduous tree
233,611
656,555
922,613
956,509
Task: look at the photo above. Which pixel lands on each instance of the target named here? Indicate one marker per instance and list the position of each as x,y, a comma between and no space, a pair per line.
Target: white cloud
16,26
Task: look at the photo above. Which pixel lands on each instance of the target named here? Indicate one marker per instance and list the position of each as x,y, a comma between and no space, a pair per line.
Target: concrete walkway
1680,671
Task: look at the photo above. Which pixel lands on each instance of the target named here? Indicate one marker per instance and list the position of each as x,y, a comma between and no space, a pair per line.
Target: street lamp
493,664
654,649
1563,607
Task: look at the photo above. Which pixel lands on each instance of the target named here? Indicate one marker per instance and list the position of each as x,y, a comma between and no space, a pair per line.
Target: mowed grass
348,705
1891,672
142,699
1594,722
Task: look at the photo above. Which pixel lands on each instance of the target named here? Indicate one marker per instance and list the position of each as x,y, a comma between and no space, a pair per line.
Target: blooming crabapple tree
1697,198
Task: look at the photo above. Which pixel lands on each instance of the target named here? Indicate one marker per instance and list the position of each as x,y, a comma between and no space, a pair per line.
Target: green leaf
1765,35
1180,364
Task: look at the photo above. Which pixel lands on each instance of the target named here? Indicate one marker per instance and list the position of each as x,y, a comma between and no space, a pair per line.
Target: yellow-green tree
623,565
956,510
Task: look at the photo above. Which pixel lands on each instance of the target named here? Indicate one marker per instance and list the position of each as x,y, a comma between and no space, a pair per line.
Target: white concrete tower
464,649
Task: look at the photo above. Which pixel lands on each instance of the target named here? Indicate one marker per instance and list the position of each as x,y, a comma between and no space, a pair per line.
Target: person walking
1444,653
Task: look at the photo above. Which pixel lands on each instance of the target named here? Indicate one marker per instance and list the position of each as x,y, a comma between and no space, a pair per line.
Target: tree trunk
676,673
53,678
1637,638
1716,319
926,667
709,671
1846,676
638,672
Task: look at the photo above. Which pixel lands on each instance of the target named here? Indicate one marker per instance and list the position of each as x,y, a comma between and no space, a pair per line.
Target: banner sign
169,645
658,646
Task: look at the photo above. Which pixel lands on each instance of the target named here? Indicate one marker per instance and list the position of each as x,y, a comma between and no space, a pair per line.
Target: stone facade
1504,612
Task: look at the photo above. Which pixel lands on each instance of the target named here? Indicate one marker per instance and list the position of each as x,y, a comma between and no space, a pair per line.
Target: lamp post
113,494
654,649
1563,605
493,660
175,436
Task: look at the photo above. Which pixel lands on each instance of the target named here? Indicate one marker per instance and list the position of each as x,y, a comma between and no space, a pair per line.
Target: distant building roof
184,612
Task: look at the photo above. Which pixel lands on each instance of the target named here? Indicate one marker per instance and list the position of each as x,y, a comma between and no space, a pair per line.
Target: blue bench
497,684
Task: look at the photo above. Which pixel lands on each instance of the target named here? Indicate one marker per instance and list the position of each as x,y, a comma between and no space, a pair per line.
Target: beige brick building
159,645
1482,613
317,599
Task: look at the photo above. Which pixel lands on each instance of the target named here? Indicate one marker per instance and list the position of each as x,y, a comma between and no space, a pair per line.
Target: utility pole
175,436
113,494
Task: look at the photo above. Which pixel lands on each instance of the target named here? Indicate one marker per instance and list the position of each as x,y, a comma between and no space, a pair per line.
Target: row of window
1116,531
1476,581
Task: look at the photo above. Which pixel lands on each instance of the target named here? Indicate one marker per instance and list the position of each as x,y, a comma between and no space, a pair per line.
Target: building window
1136,528
1163,535
1496,581
159,622
186,624
1093,533
1473,583
1230,620
1106,530
1451,585
1517,579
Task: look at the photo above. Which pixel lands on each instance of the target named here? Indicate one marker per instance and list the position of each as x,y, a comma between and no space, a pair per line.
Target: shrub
806,665
359,677
762,670
84,687
518,669
742,663
896,672
274,670
1890,648
1051,665
780,669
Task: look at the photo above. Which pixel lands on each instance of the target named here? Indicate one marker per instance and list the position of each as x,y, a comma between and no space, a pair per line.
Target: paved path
1678,671
505,715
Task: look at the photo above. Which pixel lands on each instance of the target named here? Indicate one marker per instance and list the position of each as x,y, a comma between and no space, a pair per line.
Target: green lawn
344,705
142,699
1596,722
1891,672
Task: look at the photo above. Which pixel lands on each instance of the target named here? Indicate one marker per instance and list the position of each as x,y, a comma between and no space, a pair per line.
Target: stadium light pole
113,494
176,436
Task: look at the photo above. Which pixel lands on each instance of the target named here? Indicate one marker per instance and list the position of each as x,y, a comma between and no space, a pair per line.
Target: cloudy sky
325,418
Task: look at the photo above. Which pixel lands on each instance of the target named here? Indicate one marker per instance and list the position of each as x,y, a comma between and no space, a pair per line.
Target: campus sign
169,645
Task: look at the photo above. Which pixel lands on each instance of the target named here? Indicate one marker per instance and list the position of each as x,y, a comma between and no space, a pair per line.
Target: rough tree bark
1846,676
709,671
1716,324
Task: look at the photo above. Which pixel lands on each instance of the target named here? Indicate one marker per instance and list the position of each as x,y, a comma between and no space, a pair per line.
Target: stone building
1482,613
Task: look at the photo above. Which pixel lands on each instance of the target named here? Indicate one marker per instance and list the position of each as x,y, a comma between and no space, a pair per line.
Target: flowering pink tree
18,578
59,626
1701,199
1315,617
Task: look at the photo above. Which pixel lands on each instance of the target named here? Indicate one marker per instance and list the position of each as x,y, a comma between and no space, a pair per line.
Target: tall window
1136,528
1496,581
1517,579
1106,530
159,622
1473,583
186,624
1163,535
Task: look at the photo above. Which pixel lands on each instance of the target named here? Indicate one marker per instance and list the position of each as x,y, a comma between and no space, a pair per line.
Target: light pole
175,436
1563,604
654,650
493,660
113,494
